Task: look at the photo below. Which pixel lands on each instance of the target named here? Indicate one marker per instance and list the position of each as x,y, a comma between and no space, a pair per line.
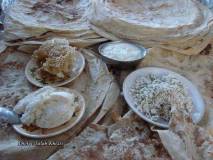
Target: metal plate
198,103
75,71
44,133
118,62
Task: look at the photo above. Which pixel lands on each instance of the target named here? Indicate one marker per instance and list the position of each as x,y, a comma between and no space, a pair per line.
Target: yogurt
122,51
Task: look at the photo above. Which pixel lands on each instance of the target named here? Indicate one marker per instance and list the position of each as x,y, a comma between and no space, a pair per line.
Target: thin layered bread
41,20
46,108
183,26
128,139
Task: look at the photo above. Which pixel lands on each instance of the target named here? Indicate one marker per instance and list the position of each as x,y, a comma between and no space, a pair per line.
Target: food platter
198,103
84,77
44,133
76,69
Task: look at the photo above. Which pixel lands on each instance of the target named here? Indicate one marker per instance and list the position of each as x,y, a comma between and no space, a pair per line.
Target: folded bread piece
46,108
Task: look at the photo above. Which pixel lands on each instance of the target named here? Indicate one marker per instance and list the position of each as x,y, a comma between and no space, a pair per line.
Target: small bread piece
59,60
47,108
42,53
55,110
21,105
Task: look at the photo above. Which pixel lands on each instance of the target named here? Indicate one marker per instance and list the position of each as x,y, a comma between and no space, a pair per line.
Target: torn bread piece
47,108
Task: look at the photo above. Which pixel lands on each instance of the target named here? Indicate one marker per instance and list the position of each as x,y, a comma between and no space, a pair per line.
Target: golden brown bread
55,56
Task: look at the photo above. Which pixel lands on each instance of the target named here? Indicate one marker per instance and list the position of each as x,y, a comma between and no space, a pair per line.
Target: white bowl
198,103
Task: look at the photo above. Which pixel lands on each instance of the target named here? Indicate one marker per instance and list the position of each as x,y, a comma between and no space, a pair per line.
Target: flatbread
127,139
41,20
182,26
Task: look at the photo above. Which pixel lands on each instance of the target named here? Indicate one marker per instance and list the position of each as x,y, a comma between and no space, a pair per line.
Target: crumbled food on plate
157,95
55,57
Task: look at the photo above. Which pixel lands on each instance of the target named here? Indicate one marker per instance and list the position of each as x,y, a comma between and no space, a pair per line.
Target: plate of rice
154,93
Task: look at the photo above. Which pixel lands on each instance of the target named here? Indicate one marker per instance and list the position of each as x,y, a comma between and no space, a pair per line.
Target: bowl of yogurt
122,54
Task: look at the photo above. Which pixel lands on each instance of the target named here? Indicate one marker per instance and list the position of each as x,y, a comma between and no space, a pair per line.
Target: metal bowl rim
145,52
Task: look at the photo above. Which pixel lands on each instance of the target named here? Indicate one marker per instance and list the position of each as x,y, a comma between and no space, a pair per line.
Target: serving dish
121,63
198,102
76,69
44,133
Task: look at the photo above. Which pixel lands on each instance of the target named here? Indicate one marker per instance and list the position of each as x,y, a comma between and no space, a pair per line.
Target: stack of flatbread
183,26
38,20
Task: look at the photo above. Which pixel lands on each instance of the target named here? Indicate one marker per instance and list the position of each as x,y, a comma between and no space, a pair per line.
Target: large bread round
181,25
